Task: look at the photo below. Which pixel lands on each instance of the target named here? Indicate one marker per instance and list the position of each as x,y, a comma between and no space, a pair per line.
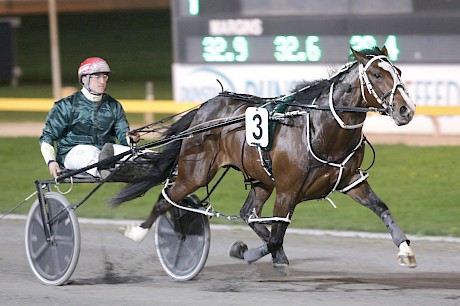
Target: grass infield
419,184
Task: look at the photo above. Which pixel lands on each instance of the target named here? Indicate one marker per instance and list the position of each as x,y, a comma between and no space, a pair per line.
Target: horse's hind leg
160,207
138,232
364,195
257,197
192,175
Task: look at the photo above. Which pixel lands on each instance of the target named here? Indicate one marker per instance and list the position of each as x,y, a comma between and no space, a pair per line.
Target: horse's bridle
385,64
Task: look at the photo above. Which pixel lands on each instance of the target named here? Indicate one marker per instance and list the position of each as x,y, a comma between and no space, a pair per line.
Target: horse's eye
377,75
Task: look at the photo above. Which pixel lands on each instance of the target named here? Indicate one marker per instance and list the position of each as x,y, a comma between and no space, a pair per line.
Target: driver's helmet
92,65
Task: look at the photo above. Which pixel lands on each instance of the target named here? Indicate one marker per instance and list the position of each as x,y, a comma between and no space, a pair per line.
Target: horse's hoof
406,257
282,269
407,260
237,250
134,232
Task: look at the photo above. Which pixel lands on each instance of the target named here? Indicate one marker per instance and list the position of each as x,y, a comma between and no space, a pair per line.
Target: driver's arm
50,158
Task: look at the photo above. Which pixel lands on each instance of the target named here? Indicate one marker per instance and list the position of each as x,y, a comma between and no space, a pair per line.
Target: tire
53,263
182,242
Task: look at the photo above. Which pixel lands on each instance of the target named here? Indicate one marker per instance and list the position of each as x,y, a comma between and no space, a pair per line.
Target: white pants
84,155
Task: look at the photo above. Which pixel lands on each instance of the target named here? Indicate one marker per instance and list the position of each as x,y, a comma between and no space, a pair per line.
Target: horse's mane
307,91
370,51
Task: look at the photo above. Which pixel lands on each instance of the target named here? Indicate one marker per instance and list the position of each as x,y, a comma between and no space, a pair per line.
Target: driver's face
97,82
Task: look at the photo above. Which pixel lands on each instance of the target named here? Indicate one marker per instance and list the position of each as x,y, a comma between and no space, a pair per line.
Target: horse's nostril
403,111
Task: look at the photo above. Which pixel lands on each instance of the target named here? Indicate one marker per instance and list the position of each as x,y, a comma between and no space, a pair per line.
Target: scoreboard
264,47
310,31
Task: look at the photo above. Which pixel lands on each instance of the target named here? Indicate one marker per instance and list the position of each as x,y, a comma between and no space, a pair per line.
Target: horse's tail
163,164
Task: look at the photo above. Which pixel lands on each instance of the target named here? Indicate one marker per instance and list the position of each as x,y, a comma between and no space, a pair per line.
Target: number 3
257,136
257,126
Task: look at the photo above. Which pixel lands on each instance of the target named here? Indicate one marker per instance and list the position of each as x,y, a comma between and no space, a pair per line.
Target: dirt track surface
33,129
326,269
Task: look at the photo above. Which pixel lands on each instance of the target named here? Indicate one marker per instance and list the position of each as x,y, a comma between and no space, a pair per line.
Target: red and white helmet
92,65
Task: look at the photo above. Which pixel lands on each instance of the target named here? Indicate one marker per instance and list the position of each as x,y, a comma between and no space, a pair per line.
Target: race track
337,269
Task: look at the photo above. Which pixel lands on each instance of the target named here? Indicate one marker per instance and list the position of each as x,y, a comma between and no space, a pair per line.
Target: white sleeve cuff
48,152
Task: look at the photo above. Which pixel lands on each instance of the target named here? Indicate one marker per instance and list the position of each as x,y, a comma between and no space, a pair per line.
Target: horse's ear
359,56
385,51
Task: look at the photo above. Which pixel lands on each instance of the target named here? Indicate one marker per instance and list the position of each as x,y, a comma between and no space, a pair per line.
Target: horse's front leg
274,246
364,195
255,201
282,211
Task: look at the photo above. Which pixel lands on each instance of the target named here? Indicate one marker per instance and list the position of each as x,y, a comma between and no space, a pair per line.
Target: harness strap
209,211
364,79
267,220
336,116
363,177
266,162
341,165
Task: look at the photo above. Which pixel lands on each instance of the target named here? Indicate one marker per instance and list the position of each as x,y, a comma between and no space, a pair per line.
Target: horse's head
381,86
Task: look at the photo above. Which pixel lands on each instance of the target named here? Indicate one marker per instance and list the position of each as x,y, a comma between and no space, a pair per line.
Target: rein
339,108
290,101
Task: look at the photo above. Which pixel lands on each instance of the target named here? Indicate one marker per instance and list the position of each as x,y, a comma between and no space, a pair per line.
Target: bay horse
313,152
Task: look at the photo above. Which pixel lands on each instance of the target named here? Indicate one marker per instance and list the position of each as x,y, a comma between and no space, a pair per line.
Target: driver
79,126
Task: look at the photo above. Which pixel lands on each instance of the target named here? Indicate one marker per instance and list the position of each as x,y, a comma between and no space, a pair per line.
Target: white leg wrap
405,249
134,232
406,256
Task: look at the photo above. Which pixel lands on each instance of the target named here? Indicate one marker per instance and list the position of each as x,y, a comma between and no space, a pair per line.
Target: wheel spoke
55,261
64,240
169,219
168,230
37,253
176,256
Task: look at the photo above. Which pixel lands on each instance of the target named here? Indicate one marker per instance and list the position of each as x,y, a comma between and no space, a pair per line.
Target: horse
317,148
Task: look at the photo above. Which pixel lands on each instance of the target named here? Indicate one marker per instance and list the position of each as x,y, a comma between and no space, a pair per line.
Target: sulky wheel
53,260
182,241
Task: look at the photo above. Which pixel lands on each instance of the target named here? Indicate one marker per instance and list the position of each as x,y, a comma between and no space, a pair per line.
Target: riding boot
106,152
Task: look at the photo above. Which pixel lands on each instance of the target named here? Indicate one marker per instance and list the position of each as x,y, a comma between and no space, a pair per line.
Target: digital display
220,49
271,31
316,49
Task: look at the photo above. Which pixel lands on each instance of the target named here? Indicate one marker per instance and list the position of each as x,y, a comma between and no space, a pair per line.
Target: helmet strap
89,91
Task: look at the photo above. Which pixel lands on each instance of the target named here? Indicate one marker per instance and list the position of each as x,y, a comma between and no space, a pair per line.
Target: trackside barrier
168,106
129,105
